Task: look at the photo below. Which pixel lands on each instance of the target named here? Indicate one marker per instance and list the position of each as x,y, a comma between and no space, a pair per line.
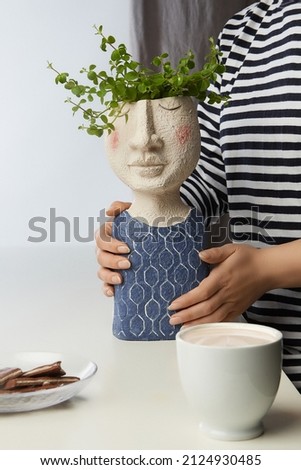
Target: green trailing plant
130,81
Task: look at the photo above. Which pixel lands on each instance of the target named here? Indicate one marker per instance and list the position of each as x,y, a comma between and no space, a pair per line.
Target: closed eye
170,109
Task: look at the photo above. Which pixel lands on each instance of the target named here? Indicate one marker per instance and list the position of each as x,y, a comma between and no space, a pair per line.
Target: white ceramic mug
230,373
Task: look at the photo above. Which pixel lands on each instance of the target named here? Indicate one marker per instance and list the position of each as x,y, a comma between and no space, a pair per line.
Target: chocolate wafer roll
9,373
54,369
38,382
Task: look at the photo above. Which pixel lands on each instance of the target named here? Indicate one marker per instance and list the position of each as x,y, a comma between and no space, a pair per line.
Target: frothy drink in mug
230,373
233,338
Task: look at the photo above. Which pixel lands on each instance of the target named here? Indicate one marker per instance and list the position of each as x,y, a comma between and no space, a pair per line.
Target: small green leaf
92,75
115,55
103,45
62,77
157,80
70,84
132,65
114,104
191,64
131,93
78,90
120,69
130,76
94,130
142,87
122,49
203,84
99,29
180,80
157,61
111,39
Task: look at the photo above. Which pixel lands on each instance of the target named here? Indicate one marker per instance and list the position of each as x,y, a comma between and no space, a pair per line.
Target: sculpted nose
145,137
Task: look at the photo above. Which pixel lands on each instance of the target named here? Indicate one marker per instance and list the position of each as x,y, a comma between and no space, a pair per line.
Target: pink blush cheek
114,140
183,134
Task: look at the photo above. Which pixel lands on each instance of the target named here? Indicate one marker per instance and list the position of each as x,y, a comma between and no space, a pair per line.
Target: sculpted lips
148,170
147,167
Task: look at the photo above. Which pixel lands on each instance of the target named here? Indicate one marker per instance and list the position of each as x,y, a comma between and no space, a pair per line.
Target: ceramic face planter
153,153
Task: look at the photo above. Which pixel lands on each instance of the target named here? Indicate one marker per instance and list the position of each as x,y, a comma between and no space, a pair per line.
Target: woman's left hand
238,278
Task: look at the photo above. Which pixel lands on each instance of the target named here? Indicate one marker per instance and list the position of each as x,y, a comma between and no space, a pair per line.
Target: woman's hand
238,278
109,251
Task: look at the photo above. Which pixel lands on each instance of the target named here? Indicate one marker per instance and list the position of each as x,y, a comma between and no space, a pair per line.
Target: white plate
28,401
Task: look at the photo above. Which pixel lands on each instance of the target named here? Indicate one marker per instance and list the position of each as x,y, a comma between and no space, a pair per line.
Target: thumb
218,254
117,207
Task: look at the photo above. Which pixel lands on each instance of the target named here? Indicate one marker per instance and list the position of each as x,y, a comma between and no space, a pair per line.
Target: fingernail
124,264
174,320
123,249
173,306
203,254
116,279
109,292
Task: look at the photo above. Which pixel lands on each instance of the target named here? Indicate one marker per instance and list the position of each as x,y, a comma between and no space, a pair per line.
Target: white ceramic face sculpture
153,153
157,148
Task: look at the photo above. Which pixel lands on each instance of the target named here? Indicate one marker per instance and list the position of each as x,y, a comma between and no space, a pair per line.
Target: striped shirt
250,163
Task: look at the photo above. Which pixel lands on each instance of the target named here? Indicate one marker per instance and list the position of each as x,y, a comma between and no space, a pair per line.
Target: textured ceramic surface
165,264
73,365
153,152
230,373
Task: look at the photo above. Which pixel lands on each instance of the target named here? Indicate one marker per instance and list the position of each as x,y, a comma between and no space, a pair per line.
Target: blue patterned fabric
164,265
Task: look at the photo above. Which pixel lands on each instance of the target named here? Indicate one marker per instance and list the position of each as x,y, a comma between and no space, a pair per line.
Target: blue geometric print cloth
165,264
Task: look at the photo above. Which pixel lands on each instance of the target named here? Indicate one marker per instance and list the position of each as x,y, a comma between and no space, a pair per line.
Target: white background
45,161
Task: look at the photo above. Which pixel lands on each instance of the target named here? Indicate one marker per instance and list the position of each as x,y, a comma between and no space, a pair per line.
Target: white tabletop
51,300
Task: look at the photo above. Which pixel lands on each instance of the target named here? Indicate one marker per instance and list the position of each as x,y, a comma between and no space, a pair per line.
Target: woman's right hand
110,252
